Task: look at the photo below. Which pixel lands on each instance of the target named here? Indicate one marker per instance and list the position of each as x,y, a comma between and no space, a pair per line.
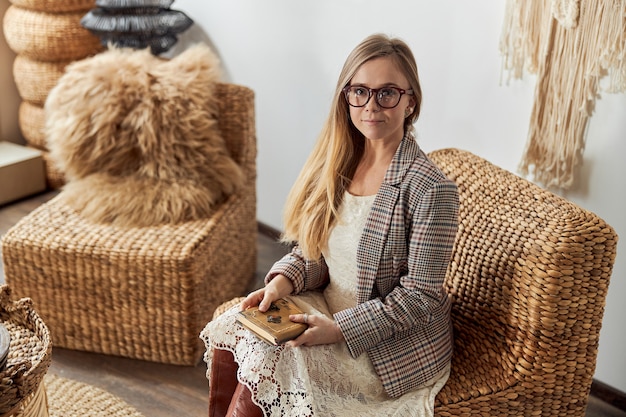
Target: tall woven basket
21,388
32,120
46,35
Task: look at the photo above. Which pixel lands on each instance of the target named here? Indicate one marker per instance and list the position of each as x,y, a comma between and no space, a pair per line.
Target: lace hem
320,380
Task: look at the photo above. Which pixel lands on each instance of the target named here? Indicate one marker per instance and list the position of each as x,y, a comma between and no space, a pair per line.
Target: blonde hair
314,199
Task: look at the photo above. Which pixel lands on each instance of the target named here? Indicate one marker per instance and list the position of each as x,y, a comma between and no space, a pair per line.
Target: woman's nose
372,104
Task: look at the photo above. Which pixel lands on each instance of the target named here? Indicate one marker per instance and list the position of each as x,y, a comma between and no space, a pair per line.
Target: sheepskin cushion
137,138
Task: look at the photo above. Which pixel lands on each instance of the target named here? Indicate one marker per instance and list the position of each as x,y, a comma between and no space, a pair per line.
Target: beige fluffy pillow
137,138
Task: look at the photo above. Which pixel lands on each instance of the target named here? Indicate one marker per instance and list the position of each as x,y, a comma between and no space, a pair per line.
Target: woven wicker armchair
529,277
143,293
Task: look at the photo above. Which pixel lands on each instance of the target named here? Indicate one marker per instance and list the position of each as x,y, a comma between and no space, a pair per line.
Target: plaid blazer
402,317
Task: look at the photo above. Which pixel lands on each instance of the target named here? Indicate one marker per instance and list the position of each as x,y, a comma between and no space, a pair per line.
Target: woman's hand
321,331
278,287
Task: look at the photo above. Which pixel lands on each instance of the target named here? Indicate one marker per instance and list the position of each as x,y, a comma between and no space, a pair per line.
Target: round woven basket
48,36
36,405
56,6
29,356
32,120
34,79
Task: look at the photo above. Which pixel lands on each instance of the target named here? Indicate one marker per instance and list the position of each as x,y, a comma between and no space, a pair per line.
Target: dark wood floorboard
159,390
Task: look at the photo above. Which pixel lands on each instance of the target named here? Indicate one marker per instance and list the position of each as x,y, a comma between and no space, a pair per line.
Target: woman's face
374,121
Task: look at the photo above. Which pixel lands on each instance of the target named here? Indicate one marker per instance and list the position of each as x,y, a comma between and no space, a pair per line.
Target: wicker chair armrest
529,278
236,121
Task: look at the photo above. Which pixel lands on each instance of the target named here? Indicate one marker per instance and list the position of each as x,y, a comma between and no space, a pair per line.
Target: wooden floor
159,390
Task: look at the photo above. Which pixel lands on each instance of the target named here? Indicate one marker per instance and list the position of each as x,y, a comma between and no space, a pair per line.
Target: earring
408,111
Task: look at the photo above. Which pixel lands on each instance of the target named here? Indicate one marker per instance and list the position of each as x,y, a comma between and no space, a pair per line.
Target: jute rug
67,398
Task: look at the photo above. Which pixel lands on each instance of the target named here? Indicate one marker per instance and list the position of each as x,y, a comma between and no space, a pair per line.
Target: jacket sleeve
304,274
419,298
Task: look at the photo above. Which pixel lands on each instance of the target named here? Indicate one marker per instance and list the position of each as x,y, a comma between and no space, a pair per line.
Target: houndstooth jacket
402,316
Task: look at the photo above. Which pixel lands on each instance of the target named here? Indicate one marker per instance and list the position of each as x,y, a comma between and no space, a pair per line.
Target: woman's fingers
322,330
301,318
253,299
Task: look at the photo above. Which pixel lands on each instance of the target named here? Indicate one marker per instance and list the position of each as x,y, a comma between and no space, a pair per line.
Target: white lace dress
319,380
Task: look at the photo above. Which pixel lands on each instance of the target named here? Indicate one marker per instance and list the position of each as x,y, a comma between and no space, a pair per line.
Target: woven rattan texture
32,118
48,37
55,6
35,405
34,79
529,277
69,398
29,355
144,293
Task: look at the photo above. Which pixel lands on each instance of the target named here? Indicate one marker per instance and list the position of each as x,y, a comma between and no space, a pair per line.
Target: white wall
290,53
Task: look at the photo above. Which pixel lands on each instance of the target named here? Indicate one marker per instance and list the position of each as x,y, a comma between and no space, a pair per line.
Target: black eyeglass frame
371,91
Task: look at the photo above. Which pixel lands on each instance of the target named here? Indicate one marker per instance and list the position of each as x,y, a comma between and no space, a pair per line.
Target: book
274,325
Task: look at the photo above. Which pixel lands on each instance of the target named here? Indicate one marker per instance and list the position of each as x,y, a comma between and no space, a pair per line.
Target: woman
373,221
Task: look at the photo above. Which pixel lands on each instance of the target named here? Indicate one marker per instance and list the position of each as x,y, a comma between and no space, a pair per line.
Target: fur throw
137,138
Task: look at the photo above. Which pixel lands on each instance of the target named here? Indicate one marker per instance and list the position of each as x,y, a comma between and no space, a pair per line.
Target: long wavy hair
313,202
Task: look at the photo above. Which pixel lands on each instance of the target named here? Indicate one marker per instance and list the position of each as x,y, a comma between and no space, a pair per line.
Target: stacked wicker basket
22,392
46,35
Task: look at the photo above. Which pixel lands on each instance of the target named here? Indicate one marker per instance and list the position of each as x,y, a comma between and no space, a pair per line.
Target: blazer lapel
376,230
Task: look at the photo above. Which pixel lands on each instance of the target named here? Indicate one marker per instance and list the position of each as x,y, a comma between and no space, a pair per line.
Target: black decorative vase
136,23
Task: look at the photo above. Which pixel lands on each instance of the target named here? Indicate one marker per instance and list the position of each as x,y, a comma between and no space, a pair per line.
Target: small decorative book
273,325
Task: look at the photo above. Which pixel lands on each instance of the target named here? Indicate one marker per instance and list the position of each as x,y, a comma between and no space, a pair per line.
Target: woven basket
32,120
48,36
144,293
55,6
29,356
35,405
34,79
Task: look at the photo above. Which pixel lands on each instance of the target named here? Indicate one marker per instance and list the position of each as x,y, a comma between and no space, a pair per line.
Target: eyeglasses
386,97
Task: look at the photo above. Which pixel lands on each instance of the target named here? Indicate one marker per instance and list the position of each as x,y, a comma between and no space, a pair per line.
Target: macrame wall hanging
571,45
